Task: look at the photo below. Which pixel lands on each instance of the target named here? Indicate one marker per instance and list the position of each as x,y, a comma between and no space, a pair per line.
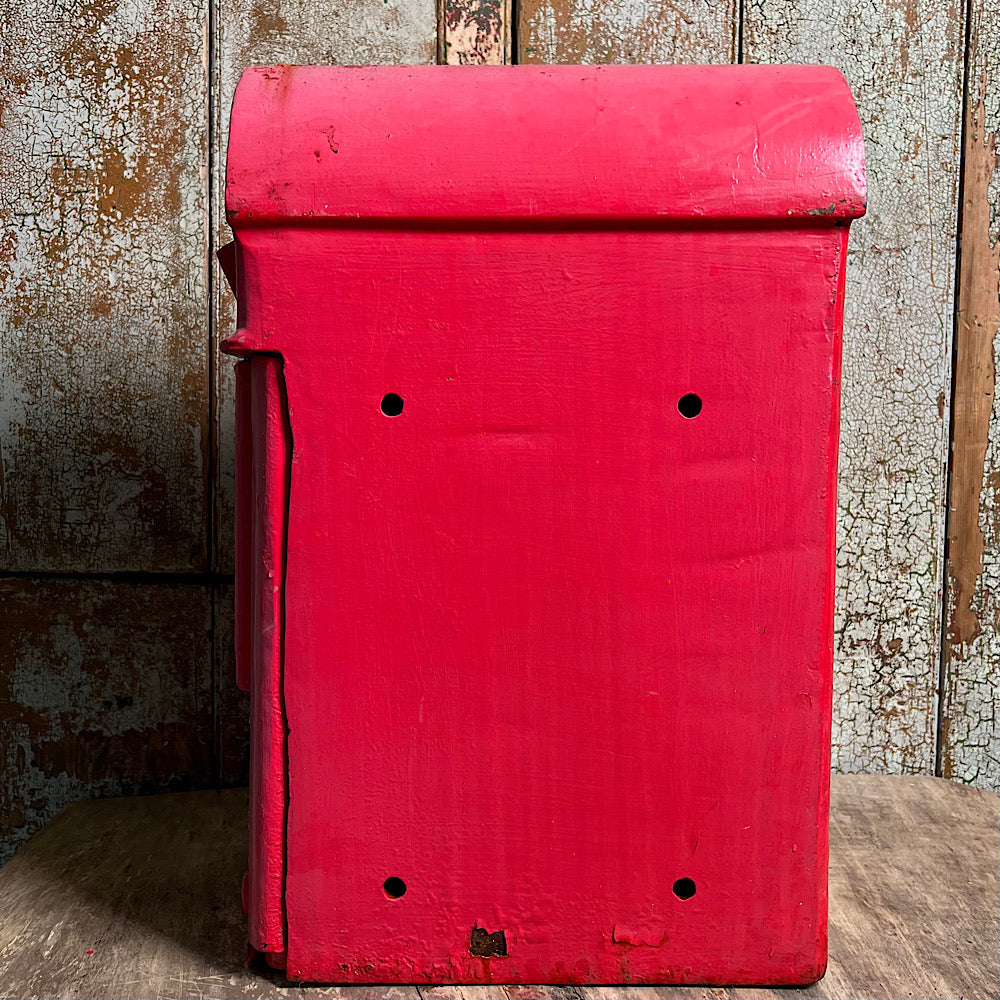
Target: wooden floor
140,898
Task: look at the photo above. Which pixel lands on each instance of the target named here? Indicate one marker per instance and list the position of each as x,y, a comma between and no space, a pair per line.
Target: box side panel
558,647
271,449
244,592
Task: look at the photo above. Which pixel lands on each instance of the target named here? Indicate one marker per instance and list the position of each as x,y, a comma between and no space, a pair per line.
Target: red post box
538,426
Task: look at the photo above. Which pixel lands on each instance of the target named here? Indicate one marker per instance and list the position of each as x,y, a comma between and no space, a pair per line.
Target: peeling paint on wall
904,65
476,32
627,31
103,363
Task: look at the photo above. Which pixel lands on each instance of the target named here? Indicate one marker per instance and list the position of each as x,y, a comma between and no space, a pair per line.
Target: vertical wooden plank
103,339
476,32
105,690
626,31
904,63
250,32
970,739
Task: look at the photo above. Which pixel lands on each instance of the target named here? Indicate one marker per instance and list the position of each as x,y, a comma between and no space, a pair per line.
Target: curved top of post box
342,145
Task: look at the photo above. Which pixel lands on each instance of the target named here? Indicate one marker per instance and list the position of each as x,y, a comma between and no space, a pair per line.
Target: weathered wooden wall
105,485
116,437
969,748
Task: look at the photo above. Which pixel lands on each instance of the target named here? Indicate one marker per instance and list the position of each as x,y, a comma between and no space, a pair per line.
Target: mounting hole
395,887
684,888
392,406
689,405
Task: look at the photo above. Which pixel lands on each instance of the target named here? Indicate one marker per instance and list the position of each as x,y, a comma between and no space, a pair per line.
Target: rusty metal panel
970,741
248,32
626,31
104,367
106,690
904,63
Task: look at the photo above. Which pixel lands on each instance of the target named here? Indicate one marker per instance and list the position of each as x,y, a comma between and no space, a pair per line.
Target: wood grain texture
970,738
626,31
250,32
135,898
103,368
904,63
105,690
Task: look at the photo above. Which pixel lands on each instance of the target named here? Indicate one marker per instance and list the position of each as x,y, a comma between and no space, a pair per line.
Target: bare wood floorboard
139,898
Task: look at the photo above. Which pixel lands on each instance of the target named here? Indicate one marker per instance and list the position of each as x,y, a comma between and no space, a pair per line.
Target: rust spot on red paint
488,945
639,937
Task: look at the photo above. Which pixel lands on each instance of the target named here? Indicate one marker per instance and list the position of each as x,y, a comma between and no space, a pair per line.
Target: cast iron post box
538,426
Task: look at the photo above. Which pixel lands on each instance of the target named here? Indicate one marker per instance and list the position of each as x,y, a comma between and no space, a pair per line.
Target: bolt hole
689,405
394,887
684,888
392,404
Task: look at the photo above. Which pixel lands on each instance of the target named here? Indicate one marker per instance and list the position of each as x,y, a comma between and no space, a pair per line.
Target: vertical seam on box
286,422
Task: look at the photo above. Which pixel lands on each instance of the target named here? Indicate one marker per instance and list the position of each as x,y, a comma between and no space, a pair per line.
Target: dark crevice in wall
166,579
440,53
513,29
739,31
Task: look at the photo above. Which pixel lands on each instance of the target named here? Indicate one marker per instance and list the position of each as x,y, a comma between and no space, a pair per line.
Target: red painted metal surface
262,455
555,388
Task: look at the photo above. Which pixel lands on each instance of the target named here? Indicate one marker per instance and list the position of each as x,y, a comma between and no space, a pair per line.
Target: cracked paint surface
904,65
103,364
626,31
